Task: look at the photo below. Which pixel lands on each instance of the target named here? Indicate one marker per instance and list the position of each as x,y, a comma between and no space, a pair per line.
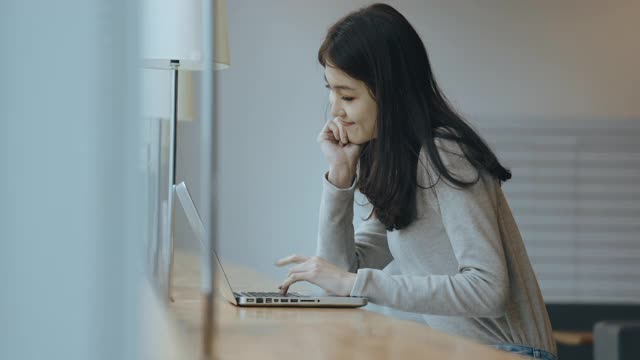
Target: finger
292,259
325,132
292,279
327,137
342,132
343,135
335,131
304,267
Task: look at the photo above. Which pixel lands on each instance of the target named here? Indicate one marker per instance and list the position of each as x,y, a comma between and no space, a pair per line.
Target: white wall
494,59
71,214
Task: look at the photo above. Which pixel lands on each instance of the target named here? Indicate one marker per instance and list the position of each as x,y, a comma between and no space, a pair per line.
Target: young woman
435,188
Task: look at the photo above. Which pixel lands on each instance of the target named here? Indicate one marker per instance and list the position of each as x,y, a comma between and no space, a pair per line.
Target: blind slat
575,195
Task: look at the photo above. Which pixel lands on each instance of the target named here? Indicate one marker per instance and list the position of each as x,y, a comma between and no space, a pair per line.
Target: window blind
575,195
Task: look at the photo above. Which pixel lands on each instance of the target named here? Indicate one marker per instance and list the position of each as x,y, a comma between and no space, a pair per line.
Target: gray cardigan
463,262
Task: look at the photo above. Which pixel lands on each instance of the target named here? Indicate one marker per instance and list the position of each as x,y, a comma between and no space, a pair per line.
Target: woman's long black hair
377,45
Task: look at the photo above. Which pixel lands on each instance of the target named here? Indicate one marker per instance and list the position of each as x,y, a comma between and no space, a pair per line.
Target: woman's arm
337,242
481,286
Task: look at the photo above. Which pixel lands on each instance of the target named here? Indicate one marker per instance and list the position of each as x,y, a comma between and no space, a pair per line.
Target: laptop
256,298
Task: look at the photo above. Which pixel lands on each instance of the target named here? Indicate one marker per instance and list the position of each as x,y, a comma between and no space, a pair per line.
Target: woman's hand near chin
339,152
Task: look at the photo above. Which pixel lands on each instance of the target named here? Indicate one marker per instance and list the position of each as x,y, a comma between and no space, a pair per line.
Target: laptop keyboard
266,294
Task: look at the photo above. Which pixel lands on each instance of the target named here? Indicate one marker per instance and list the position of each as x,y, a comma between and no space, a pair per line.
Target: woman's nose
336,110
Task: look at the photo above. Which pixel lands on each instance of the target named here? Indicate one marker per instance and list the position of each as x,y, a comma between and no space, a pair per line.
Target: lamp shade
172,30
222,36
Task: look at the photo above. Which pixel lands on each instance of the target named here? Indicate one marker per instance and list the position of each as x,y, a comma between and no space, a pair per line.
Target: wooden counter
312,333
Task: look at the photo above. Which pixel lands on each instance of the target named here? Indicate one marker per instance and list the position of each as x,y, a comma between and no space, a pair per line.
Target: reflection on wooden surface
312,333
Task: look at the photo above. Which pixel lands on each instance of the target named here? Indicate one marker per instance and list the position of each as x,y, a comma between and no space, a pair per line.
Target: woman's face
352,103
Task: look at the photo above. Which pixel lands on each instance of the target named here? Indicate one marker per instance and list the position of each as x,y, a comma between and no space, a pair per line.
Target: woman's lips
346,124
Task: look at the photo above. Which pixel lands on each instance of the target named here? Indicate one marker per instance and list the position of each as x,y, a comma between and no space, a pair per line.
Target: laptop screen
198,228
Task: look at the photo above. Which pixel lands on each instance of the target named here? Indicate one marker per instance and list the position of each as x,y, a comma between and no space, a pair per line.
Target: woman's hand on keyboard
317,271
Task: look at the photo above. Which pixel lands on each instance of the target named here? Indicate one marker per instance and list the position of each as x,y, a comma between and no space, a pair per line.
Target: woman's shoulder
447,146
452,157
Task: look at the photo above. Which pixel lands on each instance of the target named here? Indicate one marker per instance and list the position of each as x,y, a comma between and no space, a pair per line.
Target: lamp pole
173,136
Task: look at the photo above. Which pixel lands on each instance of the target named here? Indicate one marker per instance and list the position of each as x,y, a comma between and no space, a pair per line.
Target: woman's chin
359,141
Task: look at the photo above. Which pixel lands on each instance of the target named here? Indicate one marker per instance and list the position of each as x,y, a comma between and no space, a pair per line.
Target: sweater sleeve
337,242
481,285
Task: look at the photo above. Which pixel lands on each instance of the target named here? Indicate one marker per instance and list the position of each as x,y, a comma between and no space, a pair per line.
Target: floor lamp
173,39
158,95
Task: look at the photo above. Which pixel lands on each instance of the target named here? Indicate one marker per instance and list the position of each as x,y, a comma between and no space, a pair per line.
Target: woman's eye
345,98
